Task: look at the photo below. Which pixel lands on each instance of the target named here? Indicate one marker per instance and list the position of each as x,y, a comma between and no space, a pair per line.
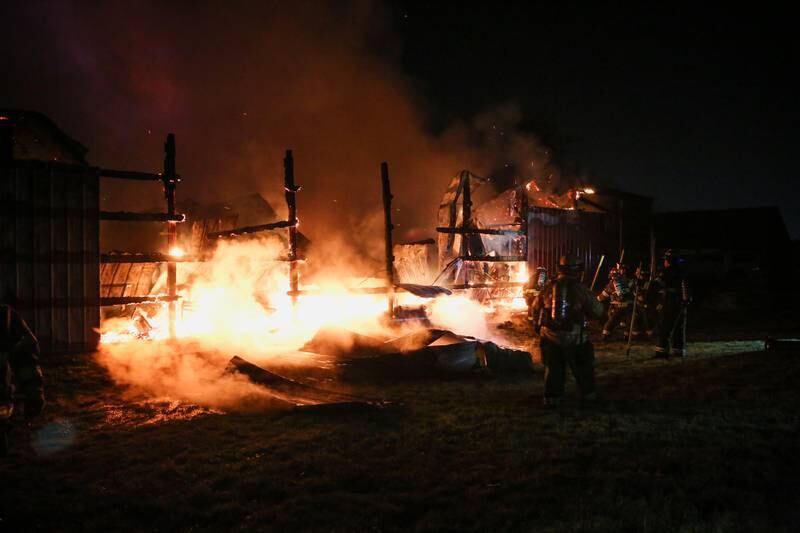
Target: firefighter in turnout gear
560,311
619,292
644,303
19,369
673,301
533,287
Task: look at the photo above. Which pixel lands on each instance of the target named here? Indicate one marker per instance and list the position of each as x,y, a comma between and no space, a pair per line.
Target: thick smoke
511,153
241,82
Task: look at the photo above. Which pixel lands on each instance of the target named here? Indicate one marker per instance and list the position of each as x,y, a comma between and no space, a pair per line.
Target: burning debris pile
238,302
251,299
255,297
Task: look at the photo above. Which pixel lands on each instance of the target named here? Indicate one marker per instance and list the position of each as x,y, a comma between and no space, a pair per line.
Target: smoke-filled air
238,84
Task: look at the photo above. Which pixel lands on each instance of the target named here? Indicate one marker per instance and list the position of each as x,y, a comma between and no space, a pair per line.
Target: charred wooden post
148,257
130,175
6,140
141,217
249,229
523,214
466,212
480,231
620,211
170,179
135,300
466,222
652,251
291,204
387,217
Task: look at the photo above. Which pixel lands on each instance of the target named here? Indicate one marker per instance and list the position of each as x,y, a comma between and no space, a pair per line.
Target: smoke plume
240,82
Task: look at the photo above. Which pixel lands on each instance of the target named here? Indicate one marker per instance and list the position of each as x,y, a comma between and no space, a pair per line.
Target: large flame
238,303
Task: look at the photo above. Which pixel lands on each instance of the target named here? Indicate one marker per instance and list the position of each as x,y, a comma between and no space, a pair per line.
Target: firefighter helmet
671,257
570,263
620,269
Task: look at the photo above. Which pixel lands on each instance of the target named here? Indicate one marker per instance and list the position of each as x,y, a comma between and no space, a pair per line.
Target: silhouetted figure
561,310
19,369
673,300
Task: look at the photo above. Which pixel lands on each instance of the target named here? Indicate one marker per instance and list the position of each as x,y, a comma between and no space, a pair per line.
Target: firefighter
619,292
561,310
673,300
19,369
533,287
643,295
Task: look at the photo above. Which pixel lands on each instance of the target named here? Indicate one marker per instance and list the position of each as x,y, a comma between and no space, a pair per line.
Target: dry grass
706,444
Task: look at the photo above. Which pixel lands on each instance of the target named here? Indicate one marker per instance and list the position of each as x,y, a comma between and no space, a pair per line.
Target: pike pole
633,313
597,271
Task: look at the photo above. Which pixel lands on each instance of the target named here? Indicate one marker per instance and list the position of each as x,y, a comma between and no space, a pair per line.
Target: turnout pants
6,390
671,330
556,359
616,313
643,320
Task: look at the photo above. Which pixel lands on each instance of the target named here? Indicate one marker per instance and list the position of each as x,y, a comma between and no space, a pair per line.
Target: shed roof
36,137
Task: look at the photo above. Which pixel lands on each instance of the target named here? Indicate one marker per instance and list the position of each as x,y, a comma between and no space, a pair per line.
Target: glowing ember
176,251
532,185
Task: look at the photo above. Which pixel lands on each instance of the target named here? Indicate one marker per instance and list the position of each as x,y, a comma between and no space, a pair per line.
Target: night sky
693,105
696,106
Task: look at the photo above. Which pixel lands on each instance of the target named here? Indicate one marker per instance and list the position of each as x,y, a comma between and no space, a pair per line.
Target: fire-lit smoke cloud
240,82
510,153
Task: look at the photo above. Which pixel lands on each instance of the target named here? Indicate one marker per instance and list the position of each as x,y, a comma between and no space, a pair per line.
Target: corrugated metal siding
49,226
127,279
555,232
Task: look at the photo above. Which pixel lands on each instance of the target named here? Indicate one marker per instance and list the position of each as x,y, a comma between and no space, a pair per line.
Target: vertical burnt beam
652,251
6,140
620,215
466,213
466,221
170,179
523,214
291,204
387,218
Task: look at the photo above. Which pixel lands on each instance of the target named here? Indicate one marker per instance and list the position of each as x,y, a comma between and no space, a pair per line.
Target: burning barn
53,269
491,247
227,287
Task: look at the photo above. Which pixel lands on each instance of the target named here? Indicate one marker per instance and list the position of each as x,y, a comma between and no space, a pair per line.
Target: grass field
707,444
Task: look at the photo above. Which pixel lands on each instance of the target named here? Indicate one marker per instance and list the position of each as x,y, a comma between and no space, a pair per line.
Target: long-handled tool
633,314
681,321
597,272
